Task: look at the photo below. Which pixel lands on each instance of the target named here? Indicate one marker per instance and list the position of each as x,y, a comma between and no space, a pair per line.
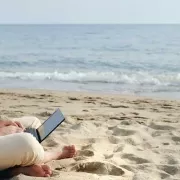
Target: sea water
124,59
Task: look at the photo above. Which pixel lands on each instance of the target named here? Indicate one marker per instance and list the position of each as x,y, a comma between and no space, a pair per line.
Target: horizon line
89,23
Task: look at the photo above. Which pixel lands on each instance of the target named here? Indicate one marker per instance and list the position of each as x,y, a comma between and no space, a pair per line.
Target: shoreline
93,93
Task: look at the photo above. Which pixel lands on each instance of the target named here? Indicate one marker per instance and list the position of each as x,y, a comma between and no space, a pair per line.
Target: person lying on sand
21,153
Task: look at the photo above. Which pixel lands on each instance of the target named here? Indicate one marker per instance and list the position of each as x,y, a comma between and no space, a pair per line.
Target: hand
10,123
19,124
10,130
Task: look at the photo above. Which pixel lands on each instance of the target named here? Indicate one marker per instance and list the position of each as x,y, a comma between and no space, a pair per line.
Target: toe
66,147
46,169
73,150
68,152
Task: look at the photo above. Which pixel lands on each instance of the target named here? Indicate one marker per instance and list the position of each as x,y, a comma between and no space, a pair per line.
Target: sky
89,11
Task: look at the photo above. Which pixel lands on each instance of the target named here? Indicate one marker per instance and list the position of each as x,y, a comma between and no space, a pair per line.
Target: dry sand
117,137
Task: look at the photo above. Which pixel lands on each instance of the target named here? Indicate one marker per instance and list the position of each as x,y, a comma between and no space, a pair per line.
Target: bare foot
36,170
67,152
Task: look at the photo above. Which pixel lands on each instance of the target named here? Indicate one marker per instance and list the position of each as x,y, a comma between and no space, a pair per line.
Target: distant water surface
128,59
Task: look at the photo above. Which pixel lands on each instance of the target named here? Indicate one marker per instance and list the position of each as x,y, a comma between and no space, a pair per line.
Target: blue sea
123,59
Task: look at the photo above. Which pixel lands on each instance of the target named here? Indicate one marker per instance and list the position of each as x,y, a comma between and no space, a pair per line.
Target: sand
117,137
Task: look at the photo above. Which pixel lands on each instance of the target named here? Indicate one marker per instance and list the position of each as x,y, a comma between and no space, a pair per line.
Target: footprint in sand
98,98
122,132
91,98
108,156
135,113
128,167
45,95
119,148
114,140
171,160
141,122
87,147
51,142
68,102
161,127
169,169
51,101
86,152
150,176
119,118
98,168
165,143
55,173
104,103
135,159
29,97
91,140
164,175
73,99
154,110
140,117
85,110
59,168
80,158
118,106
176,138
157,133
167,106
89,102
79,119
126,122
111,127
44,114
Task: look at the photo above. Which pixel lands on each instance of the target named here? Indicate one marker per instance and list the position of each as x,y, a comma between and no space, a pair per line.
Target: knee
31,151
35,122
20,149
28,121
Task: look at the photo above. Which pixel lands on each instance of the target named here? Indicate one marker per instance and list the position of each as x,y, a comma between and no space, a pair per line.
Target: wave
136,78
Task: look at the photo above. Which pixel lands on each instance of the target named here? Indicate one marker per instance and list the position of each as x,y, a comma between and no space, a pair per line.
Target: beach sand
117,137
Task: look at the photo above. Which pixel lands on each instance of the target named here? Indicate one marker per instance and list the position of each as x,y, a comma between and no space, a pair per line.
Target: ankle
57,155
20,170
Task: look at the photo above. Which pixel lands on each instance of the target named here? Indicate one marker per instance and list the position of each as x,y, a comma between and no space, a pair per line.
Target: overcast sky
89,11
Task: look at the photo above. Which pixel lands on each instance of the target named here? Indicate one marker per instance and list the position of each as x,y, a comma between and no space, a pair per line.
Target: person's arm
10,123
10,130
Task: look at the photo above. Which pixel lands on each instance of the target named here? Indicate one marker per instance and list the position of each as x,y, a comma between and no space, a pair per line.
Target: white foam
139,78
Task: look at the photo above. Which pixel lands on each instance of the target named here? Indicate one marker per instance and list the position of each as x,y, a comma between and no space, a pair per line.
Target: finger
10,123
19,124
19,130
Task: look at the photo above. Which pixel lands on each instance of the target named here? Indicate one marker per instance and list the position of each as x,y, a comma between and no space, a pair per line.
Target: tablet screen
50,124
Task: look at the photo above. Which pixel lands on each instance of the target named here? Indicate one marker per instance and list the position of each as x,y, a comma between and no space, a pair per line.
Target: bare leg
34,170
67,152
40,170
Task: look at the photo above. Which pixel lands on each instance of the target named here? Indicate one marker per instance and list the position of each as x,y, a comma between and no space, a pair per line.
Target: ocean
123,59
